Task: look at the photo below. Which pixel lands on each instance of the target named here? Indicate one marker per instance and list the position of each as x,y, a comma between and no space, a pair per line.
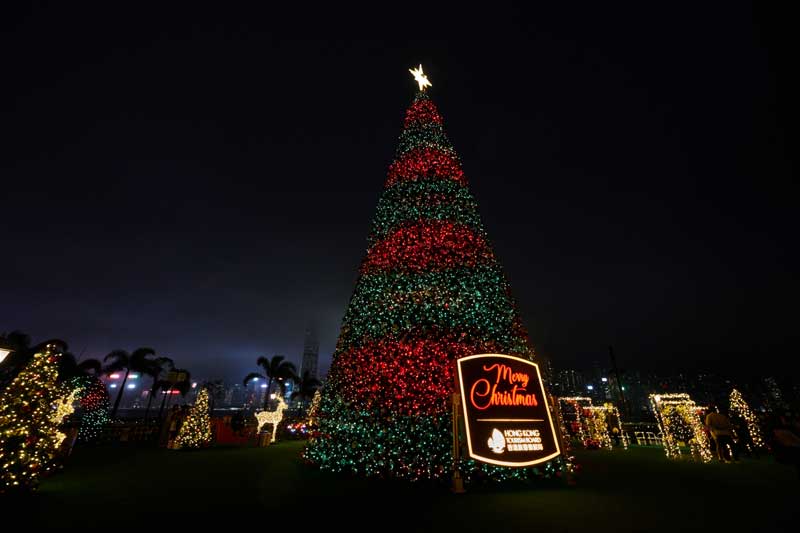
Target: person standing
721,429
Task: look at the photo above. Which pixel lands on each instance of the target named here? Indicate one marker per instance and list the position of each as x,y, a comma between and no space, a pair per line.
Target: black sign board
506,415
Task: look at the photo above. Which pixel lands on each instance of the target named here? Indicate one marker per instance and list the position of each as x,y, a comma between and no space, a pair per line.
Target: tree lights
313,411
679,420
64,407
592,424
196,429
93,407
739,409
430,291
30,411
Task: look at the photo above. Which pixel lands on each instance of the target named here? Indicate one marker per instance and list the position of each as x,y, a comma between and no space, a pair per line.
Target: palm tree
182,386
307,385
122,360
275,368
69,367
157,367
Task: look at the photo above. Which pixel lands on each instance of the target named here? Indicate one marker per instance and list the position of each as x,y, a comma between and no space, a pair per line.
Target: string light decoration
570,467
578,426
312,418
196,429
64,407
272,417
593,423
609,410
740,409
430,290
29,436
93,408
679,421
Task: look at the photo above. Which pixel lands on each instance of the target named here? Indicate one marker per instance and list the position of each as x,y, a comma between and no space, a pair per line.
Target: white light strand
668,407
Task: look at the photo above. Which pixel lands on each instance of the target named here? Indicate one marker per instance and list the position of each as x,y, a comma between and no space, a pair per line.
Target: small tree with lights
29,420
196,429
93,407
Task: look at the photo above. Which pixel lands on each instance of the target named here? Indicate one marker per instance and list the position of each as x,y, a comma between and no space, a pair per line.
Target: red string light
429,245
425,162
421,113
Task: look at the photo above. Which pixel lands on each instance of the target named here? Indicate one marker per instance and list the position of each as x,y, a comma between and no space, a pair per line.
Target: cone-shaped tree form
196,429
93,407
29,420
430,291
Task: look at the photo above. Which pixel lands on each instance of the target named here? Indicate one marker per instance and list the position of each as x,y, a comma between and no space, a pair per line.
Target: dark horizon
202,182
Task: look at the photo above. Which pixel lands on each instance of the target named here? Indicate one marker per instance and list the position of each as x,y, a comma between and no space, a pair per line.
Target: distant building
569,383
235,395
310,362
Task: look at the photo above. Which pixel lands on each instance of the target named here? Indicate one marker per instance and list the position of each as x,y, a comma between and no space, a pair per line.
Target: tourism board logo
497,442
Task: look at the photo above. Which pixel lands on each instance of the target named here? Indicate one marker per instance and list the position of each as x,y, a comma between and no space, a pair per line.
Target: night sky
202,181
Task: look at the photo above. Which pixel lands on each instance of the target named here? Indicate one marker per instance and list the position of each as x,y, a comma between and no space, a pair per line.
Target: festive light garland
610,410
426,163
430,291
679,419
272,417
431,245
577,403
423,129
64,407
29,436
196,429
422,113
93,408
592,422
471,301
569,467
312,418
411,201
740,409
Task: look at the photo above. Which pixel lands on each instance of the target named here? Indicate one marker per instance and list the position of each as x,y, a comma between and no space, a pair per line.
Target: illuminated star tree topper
420,77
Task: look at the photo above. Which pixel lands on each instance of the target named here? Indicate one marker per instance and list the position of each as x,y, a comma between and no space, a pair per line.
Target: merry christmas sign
506,415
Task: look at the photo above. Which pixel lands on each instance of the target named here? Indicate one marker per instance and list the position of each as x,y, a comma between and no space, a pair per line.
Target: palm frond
90,364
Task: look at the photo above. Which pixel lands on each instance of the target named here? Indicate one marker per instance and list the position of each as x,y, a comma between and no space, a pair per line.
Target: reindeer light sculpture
272,417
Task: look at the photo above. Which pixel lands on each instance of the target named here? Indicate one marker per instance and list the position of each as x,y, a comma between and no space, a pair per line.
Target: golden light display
577,403
420,78
740,409
272,417
594,423
313,411
196,429
679,421
29,436
63,408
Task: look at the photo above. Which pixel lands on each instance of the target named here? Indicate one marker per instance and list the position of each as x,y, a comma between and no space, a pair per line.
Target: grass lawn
634,490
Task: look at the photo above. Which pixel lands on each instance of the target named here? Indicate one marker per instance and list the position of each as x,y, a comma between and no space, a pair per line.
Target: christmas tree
31,409
93,405
430,290
196,429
